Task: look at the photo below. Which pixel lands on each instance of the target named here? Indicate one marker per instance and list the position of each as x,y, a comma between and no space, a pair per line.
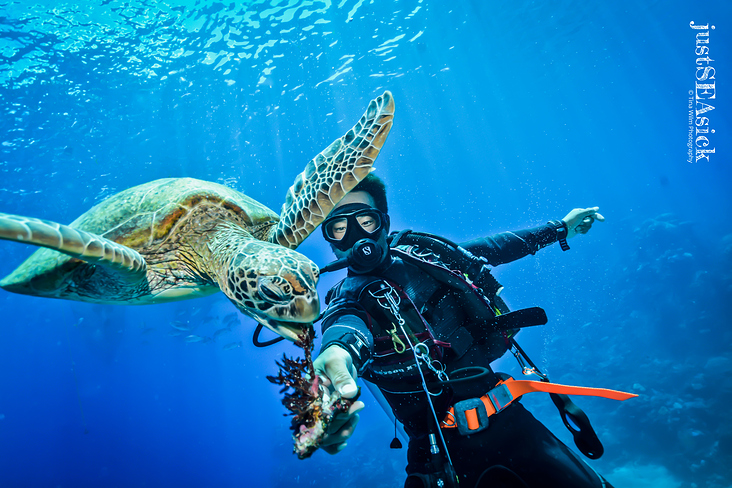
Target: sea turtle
179,238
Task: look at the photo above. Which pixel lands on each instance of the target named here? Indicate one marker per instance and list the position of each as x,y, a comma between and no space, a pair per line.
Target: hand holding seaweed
311,405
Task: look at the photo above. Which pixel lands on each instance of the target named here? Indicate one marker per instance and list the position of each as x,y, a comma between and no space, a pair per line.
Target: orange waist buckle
471,416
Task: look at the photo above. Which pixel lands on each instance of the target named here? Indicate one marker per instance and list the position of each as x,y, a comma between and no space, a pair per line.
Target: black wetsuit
515,450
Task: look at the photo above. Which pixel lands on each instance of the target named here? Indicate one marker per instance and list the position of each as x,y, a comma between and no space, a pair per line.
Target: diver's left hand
579,220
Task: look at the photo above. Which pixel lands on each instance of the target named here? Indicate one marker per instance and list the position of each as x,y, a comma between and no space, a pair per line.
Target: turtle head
275,286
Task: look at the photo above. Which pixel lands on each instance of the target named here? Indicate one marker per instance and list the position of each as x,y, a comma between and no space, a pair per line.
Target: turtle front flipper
333,173
126,263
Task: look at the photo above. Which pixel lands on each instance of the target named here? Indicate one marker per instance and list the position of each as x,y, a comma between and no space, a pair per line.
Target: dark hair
373,185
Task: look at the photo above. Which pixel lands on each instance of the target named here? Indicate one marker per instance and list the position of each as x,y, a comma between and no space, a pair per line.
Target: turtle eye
271,292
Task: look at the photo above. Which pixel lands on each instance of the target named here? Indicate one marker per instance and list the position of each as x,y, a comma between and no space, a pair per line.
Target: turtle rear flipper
126,263
333,173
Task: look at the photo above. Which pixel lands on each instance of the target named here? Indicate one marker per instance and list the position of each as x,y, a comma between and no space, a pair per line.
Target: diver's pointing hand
579,220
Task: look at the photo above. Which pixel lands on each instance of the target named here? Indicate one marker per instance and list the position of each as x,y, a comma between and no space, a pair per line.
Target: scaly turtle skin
179,238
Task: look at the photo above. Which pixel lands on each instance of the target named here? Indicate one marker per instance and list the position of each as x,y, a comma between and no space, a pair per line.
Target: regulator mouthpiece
362,258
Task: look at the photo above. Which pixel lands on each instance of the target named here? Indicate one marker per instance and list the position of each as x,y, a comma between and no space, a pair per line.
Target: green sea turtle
180,238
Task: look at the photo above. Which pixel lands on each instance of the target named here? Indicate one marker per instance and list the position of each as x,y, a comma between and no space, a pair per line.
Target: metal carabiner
399,346
527,367
422,353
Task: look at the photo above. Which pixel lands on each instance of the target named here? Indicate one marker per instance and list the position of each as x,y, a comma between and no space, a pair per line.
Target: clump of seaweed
309,402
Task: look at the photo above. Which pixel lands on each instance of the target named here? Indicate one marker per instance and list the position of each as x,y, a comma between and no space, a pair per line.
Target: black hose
479,374
255,338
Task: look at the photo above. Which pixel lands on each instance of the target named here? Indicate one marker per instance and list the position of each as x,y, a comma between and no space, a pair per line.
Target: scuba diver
421,318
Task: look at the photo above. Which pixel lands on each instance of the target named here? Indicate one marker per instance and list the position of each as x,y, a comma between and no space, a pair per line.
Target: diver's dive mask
356,229
353,222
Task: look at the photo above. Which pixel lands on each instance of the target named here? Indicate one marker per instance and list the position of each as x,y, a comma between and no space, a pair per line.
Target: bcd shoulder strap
424,246
458,268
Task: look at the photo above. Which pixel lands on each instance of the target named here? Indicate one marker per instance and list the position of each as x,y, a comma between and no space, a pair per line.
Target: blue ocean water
508,114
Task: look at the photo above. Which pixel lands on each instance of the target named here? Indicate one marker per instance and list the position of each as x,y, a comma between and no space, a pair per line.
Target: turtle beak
292,331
